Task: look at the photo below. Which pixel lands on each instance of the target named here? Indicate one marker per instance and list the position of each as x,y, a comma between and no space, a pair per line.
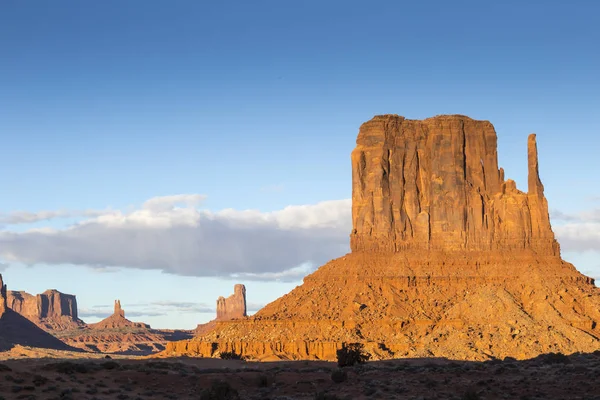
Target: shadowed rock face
49,310
234,306
448,259
15,329
435,185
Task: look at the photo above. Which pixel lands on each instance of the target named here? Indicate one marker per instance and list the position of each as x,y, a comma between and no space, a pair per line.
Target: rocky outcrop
229,308
51,310
435,185
234,306
449,259
117,320
18,330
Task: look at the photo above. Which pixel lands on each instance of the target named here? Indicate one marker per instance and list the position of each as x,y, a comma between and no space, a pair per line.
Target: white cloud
27,217
282,245
165,203
577,232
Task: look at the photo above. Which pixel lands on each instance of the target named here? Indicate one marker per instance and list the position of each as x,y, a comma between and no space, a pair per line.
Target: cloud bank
578,232
172,234
250,244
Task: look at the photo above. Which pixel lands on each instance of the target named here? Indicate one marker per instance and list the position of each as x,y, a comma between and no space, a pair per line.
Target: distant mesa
18,330
51,310
118,320
449,259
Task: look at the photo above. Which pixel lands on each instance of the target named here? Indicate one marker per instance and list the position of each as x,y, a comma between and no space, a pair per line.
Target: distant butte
449,259
232,307
18,330
117,320
51,310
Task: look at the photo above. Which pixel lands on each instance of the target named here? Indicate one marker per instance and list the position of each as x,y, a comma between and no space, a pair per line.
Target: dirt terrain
547,376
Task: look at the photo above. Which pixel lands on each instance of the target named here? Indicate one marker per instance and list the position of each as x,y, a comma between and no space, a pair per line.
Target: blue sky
256,105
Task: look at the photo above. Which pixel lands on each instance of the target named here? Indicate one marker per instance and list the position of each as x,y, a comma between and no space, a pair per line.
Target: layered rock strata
51,310
449,259
18,330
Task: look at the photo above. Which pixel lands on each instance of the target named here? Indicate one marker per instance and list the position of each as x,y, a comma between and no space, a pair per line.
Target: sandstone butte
229,308
51,310
118,320
448,259
18,330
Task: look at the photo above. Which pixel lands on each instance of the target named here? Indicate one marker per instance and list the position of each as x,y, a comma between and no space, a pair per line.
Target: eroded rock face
50,310
448,259
234,306
15,329
229,308
435,185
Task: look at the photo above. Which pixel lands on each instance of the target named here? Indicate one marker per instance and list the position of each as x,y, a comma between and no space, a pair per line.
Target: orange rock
448,259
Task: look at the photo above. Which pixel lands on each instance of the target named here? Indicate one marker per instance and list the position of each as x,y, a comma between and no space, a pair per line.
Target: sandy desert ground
62,375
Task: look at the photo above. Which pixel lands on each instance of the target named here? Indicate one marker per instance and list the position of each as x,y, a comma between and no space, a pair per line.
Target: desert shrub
326,396
230,355
262,380
110,365
68,367
471,394
351,354
339,375
220,390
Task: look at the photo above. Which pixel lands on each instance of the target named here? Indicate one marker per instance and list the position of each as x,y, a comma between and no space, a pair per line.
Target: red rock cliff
435,185
50,310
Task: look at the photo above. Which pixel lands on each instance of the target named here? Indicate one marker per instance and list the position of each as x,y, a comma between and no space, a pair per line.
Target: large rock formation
18,330
51,310
117,320
435,185
234,306
229,308
448,259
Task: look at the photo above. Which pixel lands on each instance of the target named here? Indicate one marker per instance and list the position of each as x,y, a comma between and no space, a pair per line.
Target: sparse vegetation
351,354
220,390
230,355
471,394
339,375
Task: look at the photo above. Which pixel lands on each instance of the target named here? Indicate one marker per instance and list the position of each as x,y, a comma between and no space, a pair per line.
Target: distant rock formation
18,330
229,308
234,306
51,310
118,310
118,320
448,259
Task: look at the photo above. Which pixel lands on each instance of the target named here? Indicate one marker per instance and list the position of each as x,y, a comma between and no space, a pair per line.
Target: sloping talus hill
449,259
